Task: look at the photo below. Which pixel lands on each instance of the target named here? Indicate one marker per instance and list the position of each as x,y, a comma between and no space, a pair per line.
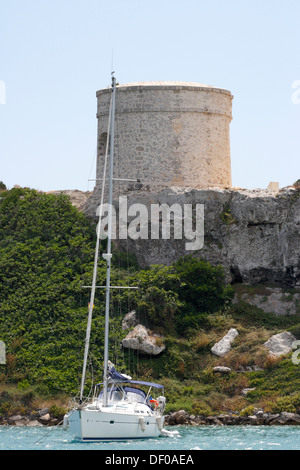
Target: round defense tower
168,134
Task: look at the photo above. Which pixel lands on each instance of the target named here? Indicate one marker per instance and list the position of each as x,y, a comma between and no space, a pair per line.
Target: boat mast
108,255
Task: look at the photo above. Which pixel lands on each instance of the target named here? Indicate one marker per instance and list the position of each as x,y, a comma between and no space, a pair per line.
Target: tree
46,255
157,298
202,290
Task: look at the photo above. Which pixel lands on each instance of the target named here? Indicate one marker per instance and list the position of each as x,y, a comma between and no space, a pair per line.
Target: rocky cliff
254,234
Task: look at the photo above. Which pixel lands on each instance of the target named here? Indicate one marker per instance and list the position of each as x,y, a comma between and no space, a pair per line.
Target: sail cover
117,377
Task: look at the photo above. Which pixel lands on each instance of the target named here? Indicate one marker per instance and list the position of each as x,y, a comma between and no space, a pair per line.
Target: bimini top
115,376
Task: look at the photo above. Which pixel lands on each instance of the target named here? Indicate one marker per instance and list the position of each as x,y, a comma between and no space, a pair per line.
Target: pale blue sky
55,55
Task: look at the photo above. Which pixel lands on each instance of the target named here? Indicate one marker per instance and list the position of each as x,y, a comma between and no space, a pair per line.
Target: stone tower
168,134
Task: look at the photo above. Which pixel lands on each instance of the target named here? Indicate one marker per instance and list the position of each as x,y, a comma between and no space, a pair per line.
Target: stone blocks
169,134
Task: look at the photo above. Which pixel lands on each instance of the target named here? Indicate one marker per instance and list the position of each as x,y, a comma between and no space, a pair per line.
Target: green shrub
202,285
46,255
295,330
23,385
290,404
157,298
252,315
226,215
180,404
202,291
57,412
248,411
201,408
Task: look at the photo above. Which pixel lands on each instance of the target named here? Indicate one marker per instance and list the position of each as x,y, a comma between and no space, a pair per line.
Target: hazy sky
55,55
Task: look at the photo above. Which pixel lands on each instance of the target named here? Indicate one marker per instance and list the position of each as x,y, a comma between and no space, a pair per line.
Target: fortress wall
169,134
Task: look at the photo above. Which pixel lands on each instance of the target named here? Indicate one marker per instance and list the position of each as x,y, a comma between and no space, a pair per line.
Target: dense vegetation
46,249
46,257
47,253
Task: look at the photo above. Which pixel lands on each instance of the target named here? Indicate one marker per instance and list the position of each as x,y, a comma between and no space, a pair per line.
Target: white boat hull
100,425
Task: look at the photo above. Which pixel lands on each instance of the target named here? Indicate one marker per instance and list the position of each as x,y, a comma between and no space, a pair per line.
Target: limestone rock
39,413
141,339
272,300
16,420
129,320
280,344
223,347
286,418
253,234
222,369
78,198
2,353
34,423
178,417
245,391
45,419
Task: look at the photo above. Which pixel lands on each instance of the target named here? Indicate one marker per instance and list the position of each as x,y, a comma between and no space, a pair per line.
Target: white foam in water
167,433
182,438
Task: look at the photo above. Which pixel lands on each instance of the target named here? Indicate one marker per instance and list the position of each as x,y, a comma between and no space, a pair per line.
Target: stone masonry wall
168,133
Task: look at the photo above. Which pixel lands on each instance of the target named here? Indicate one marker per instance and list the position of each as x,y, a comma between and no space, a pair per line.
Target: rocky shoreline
43,417
258,418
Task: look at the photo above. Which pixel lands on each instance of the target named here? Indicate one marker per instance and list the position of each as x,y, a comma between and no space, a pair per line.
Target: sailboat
121,408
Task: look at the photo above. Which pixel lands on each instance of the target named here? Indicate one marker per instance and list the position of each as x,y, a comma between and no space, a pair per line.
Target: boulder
42,412
272,300
253,420
45,419
129,321
17,420
143,340
38,413
178,417
2,353
224,345
34,423
213,420
280,344
222,369
286,418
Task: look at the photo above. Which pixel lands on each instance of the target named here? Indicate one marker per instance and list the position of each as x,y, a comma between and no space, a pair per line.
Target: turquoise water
191,438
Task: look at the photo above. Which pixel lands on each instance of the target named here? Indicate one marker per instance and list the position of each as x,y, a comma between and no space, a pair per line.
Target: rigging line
138,312
96,360
91,368
112,60
92,374
88,332
51,429
108,255
111,287
92,165
118,343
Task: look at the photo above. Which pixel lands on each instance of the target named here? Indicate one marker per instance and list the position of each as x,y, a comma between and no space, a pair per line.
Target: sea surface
189,439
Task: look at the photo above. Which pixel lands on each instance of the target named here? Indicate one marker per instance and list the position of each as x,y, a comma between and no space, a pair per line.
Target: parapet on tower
168,134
